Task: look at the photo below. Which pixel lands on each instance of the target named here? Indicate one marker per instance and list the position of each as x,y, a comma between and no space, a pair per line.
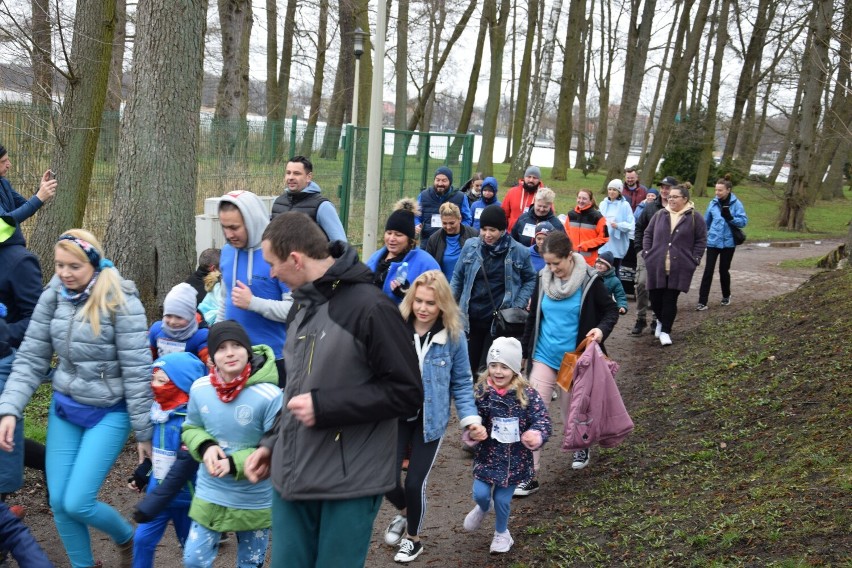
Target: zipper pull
337,436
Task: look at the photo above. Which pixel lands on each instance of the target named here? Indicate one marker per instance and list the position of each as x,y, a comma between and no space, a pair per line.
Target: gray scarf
558,289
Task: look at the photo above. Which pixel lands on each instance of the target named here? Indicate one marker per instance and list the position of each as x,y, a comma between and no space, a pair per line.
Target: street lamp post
374,146
358,50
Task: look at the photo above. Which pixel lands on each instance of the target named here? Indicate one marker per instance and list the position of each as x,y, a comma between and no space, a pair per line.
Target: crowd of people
288,388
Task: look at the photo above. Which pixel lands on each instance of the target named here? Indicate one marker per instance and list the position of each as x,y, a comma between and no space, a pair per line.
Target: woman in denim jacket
433,318
509,281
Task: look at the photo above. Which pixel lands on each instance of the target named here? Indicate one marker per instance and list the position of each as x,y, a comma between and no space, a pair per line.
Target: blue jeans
482,494
11,463
78,461
322,532
148,535
202,546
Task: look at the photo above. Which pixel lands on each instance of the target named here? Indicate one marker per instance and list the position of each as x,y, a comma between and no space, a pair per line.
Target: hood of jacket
346,268
182,368
263,369
312,187
255,215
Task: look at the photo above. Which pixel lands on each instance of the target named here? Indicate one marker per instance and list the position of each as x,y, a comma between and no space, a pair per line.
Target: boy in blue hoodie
487,196
604,265
172,377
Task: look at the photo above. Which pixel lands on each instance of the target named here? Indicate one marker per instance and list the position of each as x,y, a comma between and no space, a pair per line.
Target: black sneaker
408,551
527,488
581,459
726,301
700,307
637,329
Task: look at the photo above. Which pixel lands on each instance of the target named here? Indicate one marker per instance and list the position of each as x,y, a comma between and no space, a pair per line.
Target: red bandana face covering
229,391
169,396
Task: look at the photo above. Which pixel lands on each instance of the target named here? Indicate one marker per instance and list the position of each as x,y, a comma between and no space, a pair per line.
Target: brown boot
125,554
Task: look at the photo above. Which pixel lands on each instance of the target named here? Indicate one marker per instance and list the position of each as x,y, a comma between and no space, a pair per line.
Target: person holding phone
13,203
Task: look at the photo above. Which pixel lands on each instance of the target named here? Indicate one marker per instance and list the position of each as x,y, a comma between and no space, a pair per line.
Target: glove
726,213
140,475
139,517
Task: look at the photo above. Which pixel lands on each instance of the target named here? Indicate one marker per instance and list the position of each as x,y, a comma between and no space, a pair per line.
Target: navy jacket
17,539
20,288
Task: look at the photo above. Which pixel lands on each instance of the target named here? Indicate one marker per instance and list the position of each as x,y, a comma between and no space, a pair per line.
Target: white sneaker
665,339
659,329
395,530
502,542
474,519
408,551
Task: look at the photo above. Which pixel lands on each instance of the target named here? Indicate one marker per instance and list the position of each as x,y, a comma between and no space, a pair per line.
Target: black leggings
412,497
664,304
479,341
725,256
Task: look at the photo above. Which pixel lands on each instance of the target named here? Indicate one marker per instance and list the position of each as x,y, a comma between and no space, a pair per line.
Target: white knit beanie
506,350
180,302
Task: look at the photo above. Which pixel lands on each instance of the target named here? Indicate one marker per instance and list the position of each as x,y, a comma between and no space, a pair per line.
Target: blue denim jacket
520,276
446,372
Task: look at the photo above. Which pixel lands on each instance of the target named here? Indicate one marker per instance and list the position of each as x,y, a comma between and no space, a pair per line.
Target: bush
684,149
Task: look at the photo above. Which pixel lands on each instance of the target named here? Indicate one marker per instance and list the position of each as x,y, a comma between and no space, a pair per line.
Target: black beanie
493,216
224,331
401,220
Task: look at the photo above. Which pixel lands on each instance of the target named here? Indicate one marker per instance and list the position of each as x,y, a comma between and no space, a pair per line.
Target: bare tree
166,91
638,37
568,88
799,192
470,95
42,87
79,123
287,56
497,38
272,128
523,87
341,96
607,51
582,97
539,95
316,91
235,21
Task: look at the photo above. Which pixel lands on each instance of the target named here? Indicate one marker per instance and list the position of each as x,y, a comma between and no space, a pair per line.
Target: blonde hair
545,194
450,210
519,383
106,297
450,315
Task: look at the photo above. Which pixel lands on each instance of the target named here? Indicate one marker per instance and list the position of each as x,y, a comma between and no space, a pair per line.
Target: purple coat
685,247
597,413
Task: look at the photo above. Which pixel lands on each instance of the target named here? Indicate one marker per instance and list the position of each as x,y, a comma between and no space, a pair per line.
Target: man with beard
430,201
633,191
522,196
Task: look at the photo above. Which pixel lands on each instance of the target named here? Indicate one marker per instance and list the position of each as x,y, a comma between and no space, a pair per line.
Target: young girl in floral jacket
516,420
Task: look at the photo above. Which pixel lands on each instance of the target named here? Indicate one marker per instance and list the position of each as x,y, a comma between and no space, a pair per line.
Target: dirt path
755,276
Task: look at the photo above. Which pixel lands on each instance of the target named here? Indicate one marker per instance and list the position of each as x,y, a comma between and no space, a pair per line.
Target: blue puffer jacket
520,276
445,372
508,464
99,370
718,232
419,261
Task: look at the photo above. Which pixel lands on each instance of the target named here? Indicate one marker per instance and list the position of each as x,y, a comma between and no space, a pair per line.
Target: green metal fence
250,155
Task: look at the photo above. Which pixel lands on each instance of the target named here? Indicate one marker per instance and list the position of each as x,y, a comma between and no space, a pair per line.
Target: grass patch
740,454
35,414
805,263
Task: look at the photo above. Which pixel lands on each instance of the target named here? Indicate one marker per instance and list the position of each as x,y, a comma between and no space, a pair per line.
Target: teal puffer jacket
99,370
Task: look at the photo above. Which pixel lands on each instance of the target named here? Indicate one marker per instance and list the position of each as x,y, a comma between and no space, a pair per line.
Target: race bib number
162,461
166,346
436,220
506,430
478,213
529,230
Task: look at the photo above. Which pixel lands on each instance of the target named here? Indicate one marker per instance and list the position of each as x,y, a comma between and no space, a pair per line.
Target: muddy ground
755,276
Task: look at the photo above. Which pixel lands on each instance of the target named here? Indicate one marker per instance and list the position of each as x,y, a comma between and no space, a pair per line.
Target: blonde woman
93,320
433,319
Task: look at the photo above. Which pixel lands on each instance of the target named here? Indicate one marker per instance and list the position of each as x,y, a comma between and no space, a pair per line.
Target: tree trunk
638,36
523,86
753,55
582,96
497,39
649,126
797,194
832,187
341,96
792,127
703,171
400,116
151,244
284,151
42,87
568,90
604,74
235,20
507,157
108,145
539,96
79,124
469,99
272,128
316,91
678,80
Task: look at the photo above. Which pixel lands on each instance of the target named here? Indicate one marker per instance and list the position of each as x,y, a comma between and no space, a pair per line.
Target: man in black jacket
651,208
352,372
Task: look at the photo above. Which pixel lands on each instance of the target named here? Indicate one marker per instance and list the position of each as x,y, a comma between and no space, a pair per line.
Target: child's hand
531,439
132,485
622,311
213,458
477,432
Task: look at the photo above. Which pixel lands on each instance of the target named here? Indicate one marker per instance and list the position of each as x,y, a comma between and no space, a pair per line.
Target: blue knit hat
181,368
445,171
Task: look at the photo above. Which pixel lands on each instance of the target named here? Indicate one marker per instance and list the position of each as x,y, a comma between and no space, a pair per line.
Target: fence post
293,138
424,169
346,185
467,161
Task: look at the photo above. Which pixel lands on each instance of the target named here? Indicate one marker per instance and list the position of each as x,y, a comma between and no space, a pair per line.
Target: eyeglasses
675,196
